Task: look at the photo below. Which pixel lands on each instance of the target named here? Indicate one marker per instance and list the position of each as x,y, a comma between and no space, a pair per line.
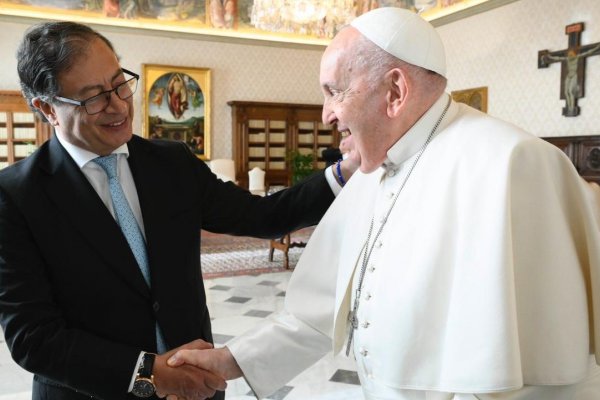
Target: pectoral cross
353,321
573,60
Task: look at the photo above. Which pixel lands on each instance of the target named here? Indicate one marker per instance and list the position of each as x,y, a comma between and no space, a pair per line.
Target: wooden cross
572,69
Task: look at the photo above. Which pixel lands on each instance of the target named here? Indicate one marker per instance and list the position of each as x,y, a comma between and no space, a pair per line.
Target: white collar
82,156
412,141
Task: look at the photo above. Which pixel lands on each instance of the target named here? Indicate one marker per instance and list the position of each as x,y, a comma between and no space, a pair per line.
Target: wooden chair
283,244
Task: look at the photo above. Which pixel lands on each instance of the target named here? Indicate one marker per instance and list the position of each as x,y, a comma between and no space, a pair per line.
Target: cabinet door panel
21,131
264,134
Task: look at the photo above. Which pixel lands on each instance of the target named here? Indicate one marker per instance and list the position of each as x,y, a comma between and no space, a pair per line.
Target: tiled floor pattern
236,304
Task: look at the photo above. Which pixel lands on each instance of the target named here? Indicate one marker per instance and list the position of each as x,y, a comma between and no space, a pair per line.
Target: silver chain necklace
352,318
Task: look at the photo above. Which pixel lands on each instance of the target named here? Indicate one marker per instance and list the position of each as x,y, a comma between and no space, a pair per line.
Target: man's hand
186,382
220,361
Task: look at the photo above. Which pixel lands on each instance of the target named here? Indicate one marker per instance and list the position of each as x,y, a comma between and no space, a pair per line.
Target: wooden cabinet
265,133
21,130
584,151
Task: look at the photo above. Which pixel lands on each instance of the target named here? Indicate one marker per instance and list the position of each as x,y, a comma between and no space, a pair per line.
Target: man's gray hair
47,50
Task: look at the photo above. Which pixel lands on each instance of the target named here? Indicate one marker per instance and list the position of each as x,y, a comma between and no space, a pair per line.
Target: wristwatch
143,386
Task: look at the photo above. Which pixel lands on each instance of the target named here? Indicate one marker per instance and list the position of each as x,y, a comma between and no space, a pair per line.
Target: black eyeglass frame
106,93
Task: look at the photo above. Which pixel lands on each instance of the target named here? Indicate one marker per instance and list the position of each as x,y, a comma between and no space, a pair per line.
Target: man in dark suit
331,155
75,305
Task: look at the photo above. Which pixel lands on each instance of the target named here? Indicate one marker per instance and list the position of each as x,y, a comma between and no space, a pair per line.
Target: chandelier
321,18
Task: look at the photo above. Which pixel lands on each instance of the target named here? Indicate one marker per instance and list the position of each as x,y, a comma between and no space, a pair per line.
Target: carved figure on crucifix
571,86
572,62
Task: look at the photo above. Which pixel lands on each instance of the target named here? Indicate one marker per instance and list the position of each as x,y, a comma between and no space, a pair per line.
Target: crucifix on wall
572,69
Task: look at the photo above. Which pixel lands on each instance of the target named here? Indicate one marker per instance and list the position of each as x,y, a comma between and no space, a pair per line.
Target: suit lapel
158,207
75,198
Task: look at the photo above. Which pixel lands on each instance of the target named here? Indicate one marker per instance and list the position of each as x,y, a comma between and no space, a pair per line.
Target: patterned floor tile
258,313
268,283
220,287
344,376
237,299
281,393
221,339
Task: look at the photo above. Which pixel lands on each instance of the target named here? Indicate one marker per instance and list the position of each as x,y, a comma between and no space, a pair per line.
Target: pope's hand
186,382
219,361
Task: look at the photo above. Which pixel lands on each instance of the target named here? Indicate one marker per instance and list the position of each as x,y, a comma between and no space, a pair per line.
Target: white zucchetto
405,35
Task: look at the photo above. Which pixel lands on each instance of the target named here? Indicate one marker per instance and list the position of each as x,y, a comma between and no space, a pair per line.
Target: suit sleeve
227,208
36,331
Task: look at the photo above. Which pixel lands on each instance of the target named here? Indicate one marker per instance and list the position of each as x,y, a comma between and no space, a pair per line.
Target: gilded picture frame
475,97
177,105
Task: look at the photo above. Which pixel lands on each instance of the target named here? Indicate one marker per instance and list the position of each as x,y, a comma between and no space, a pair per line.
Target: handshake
194,371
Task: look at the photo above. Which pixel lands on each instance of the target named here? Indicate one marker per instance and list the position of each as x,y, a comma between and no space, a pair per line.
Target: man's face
357,107
96,71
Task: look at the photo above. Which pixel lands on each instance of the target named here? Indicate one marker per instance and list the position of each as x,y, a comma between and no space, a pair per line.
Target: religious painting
223,14
476,97
177,106
165,10
244,11
291,21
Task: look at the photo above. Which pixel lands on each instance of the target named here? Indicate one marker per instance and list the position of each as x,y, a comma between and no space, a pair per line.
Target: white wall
239,72
497,49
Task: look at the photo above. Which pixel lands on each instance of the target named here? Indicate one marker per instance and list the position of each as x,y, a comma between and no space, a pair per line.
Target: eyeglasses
98,103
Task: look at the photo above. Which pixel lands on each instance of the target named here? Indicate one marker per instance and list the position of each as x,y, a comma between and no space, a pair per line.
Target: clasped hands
194,371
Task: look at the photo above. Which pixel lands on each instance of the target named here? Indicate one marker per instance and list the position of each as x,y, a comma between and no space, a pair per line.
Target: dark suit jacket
73,304
331,155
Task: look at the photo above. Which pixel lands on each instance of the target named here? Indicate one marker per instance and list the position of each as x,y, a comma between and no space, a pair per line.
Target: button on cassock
156,306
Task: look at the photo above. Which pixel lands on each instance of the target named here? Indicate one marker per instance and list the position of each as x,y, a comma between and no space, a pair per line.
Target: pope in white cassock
461,262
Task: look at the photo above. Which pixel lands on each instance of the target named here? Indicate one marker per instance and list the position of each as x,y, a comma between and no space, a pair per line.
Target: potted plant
301,165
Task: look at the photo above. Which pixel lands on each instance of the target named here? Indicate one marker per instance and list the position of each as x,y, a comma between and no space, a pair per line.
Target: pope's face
355,105
96,71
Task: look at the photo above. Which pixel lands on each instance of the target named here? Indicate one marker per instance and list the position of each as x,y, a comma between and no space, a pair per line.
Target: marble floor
236,304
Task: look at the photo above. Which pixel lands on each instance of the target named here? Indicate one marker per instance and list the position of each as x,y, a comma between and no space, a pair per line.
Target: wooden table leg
282,244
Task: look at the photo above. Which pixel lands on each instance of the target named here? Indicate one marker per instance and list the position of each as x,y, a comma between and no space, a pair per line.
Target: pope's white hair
374,62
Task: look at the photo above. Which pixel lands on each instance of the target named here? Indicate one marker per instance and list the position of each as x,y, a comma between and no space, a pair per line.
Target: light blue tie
129,225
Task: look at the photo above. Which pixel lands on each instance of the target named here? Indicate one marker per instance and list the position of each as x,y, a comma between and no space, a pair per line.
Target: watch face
143,387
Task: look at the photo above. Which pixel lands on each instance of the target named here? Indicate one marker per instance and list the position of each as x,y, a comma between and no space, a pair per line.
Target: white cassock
484,282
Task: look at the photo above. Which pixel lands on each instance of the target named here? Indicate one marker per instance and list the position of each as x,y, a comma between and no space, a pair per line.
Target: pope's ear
45,108
397,91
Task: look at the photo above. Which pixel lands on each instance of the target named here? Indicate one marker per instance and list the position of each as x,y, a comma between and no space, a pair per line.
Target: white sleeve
278,350
333,183
281,347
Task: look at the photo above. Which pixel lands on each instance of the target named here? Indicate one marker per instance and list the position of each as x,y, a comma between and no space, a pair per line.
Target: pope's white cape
492,279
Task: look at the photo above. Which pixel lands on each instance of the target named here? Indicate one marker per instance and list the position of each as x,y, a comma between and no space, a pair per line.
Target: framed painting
476,97
177,106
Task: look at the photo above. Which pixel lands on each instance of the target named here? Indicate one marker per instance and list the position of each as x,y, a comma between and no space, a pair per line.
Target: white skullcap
405,35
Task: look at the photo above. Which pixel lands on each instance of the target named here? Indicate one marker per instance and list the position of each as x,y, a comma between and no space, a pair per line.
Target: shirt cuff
333,183
135,371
